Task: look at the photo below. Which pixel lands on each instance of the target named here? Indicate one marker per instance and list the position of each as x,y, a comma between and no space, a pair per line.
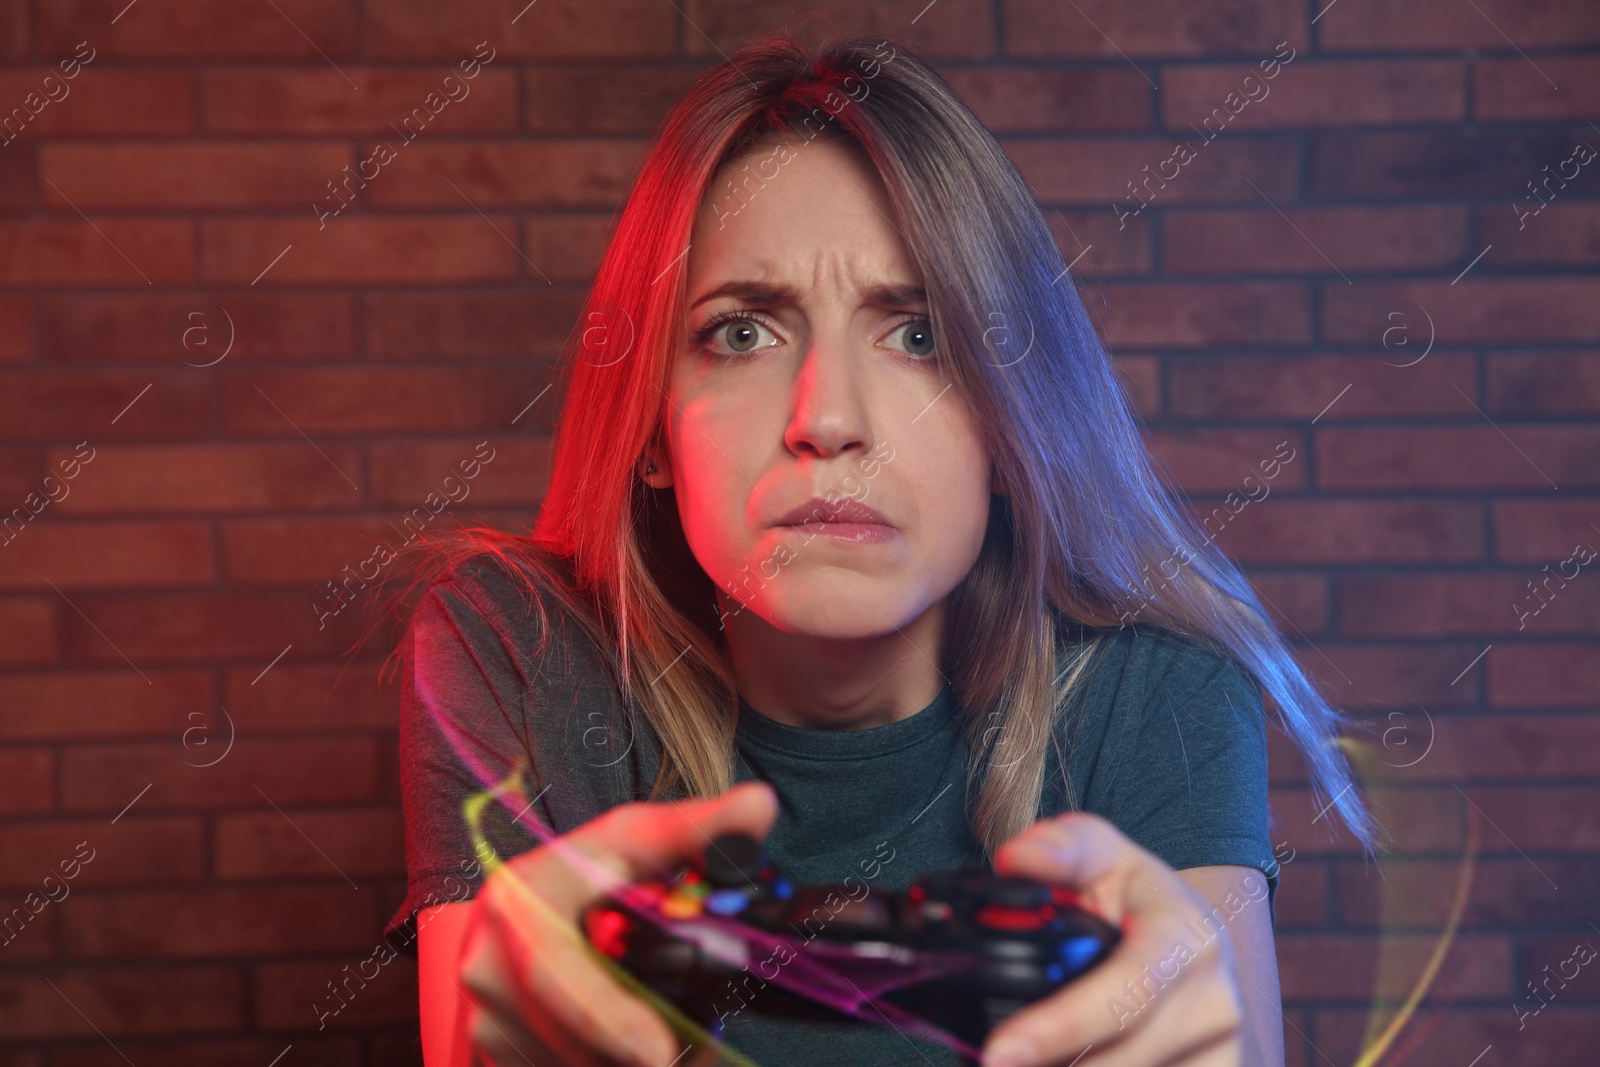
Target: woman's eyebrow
771,293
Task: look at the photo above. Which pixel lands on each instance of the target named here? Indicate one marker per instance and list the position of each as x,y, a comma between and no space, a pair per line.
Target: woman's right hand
537,995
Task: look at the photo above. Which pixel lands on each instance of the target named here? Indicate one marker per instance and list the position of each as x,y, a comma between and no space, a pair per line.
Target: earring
651,469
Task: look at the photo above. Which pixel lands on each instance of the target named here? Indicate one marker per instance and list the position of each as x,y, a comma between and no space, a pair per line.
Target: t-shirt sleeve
1186,739
490,709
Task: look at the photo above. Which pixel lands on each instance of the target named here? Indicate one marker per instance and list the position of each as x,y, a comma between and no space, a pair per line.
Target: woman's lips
859,532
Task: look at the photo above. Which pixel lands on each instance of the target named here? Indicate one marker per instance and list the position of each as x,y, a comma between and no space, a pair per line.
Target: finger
1161,949
631,842
526,969
1198,1025
1089,854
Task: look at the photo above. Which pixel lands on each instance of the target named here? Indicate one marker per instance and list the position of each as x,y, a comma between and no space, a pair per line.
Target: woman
848,508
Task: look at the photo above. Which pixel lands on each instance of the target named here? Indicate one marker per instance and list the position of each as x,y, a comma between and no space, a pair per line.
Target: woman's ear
652,470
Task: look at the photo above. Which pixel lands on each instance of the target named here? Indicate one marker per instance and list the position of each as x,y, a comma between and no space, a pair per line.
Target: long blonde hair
1086,520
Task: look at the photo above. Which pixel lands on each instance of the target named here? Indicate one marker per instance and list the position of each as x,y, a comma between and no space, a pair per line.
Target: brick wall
234,397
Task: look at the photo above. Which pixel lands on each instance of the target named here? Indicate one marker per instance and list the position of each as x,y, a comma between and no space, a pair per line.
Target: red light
606,931
1003,917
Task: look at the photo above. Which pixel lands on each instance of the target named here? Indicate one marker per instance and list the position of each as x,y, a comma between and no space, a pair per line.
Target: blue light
726,902
782,887
1054,972
1076,952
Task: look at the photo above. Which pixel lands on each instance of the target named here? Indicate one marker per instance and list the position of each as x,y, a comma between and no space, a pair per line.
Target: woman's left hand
1188,1009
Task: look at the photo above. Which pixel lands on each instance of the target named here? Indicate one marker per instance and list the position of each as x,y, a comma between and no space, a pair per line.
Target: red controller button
1004,917
606,930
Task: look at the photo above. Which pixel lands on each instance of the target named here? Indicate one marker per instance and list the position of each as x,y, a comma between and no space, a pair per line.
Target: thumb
636,841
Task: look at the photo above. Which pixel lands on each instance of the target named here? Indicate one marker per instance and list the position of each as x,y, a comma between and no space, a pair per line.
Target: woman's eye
737,337
917,336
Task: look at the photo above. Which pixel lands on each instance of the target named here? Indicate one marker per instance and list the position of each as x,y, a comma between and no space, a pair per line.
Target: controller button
681,906
1077,952
937,911
1004,917
607,930
727,902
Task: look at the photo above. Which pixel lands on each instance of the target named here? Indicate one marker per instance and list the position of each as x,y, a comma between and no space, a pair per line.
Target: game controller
961,949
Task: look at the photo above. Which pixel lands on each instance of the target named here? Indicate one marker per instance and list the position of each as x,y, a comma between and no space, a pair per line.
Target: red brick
1296,602
1302,898
16,330
567,248
117,554
214,478
15,27
132,851
1024,100
1473,312
1346,966
1190,315
479,323
499,174
1416,819
1545,383
194,328
99,101
1511,88
591,99
59,404
1314,240
219,1052
1229,460
312,699
152,629
1506,891
1303,387
404,472
1485,747
377,399
1536,819
1560,1034
217,922
27,781
360,843
204,29
1103,172
1448,162
27,631
1554,675
303,102
1383,676
1538,531
19,168
1095,244
1462,604
1566,233
34,940
964,29
1348,531
287,995
289,773
354,251
1308,92
189,176
1165,28
297,551
112,1002
1140,377
71,252
97,705
1379,25
1458,457
556,29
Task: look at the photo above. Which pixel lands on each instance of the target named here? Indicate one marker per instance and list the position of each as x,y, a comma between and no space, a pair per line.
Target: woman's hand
1186,1004
537,995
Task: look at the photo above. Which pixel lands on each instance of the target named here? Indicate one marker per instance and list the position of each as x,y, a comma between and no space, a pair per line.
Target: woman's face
815,378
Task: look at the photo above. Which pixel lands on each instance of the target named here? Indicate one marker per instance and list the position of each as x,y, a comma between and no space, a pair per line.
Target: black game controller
960,949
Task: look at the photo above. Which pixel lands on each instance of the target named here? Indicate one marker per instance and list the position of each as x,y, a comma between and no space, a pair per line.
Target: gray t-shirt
1166,739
